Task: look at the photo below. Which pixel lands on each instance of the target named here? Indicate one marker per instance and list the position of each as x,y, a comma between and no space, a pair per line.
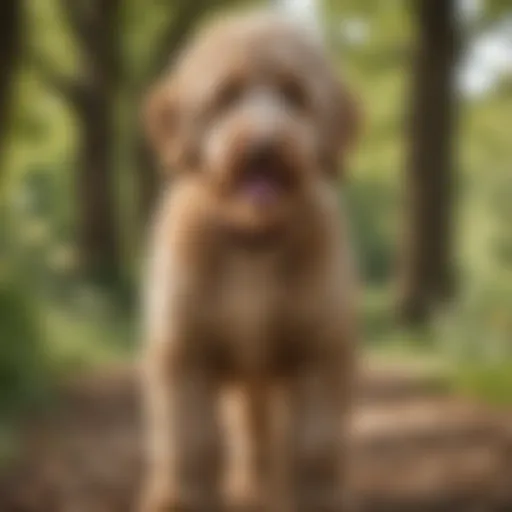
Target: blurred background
430,197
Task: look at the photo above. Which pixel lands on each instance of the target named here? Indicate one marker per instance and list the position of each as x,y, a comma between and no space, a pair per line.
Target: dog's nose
261,154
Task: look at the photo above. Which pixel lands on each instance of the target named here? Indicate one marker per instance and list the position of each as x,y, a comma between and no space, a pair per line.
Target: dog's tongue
260,189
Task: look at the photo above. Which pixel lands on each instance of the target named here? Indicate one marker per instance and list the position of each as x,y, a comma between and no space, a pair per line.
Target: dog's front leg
183,437
317,463
179,381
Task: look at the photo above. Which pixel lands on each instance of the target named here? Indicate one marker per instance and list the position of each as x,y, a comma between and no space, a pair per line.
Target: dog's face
255,109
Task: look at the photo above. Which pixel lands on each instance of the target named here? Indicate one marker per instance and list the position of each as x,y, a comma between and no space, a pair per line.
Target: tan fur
258,301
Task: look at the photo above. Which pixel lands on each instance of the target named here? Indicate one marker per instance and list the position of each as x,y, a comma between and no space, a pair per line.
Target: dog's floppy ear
160,122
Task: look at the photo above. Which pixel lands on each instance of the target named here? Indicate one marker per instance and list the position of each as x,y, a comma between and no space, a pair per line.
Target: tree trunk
10,32
97,234
96,26
427,267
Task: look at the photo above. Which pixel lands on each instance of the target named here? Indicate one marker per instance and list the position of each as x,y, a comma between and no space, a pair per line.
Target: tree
92,96
10,38
427,274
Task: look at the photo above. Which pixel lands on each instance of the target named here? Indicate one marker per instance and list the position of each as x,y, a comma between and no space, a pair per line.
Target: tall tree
92,95
427,267
10,35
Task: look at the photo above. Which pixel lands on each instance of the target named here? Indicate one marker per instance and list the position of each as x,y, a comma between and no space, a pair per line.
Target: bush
371,213
22,361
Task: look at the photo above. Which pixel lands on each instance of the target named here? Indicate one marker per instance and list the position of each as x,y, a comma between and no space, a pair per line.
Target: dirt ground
415,449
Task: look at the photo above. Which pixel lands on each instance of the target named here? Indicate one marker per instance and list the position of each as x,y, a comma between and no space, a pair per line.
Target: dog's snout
265,163
261,153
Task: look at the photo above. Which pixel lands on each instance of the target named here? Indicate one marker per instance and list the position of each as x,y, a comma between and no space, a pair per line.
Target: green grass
486,382
8,444
45,343
79,342
490,383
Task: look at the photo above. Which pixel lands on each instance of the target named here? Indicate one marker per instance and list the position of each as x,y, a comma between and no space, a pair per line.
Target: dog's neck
268,240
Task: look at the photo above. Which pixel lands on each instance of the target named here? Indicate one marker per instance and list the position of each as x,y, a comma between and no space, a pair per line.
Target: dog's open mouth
260,188
266,183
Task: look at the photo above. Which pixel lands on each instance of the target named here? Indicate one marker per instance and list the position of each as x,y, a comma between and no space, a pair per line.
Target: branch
68,87
188,13
77,19
176,31
95,26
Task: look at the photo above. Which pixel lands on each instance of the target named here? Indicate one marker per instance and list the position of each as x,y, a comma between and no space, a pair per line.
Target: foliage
22,362
52,323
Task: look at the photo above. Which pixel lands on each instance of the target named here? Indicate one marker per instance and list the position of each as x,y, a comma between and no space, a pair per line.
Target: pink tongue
260,190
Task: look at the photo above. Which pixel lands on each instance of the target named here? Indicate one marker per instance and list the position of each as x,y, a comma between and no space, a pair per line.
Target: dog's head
253,107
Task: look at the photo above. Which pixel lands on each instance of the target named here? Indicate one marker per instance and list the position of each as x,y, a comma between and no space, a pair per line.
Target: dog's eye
229,94
294,94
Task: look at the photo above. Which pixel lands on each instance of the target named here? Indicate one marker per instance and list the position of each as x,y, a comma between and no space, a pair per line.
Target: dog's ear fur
160,122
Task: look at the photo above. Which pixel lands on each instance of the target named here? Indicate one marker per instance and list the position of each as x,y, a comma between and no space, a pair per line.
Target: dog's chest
250,305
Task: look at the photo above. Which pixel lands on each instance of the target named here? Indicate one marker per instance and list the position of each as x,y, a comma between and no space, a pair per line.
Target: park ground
417,446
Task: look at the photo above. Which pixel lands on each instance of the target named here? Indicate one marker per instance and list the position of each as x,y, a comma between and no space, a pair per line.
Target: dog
251,286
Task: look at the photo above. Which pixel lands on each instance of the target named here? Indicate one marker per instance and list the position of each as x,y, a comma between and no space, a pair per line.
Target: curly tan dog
250,284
